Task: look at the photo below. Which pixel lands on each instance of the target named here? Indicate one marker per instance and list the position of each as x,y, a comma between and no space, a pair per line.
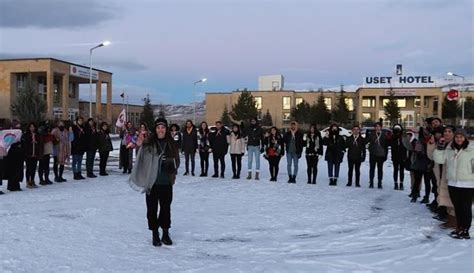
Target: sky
162,47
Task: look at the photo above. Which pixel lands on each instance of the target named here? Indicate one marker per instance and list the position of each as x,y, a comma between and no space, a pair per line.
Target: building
418,97
271,82
58,81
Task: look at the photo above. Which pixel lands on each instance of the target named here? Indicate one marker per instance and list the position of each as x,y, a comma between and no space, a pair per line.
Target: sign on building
83,72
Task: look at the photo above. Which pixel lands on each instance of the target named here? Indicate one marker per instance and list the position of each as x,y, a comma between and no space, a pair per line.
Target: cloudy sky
162,47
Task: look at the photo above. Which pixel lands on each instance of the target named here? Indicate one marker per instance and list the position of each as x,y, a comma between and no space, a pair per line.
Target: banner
453,94
121,119
7,138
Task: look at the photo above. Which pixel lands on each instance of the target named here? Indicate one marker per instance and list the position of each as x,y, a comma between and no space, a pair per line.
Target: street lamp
462,96
194,97
105,43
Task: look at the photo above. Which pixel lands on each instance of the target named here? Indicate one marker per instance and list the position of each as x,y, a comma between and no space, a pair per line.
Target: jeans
292,158
104,156
77,162
398,167
373,162
187,156
354,165
204,162
253,151
236,164
333,169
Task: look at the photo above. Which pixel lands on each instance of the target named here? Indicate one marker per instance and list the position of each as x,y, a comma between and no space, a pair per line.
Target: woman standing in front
105,147
204,147
32,154
460,173
237,150
273,144
155,173
314,149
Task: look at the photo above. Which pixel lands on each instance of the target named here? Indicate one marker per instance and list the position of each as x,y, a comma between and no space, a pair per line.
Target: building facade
57,81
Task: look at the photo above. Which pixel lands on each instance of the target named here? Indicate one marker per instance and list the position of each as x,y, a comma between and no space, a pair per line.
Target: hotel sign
400,80
83,72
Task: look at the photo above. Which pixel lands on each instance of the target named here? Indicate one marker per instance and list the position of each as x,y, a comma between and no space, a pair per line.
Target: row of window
369,102
407,118
42,87
286,104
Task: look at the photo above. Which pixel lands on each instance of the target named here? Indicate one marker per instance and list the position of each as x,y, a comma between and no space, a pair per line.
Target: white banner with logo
83,72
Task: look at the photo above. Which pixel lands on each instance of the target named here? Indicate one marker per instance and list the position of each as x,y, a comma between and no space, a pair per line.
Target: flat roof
53,59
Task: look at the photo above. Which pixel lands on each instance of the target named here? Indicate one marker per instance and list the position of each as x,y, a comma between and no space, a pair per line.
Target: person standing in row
294,144
204,148
105,147
78,147
356,154
45,151
155,173
274,150
92,137
176,135
399,156
190,146
237,150
14,162
254,135
143,133
314,149
334,153
32,154
378,149
220,145
61,150
419,163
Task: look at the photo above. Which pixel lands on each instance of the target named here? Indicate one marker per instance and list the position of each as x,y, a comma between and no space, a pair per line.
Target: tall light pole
462,95
194,97
105,43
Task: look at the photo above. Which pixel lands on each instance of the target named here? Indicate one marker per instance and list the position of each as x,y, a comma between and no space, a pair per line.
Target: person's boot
47,180
257,176
335,181
192,174
371,185
79,175
290,179
425,200
414,196
75,177
215,175
395,186
186,173
156,238
401,186
349,184
433,206
464,235
166,238
379,185
202,175
331,182
249,176
42,182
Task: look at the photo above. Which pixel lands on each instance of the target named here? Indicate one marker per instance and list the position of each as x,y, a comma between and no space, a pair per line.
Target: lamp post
105,43
462,95
194,97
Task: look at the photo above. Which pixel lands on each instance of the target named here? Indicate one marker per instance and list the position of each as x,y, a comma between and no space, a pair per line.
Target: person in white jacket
460,174
237,150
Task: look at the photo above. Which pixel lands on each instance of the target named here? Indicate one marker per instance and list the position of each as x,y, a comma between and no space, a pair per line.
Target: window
42,85
426,102
401,102
21,81
435,105
56,94
417,102
385,121
349,103
286,103
258,103
286,116
259,115
328,102
72,90
368,102
298,101
366,116
408,119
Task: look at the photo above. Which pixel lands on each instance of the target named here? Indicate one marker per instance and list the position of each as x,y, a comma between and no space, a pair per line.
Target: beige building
58,81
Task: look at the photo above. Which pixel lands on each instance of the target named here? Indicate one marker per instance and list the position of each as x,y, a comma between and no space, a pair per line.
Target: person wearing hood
334,153
399,156
460,174
254,136
314,150
378,149
294,144
356,154
190,146
155,174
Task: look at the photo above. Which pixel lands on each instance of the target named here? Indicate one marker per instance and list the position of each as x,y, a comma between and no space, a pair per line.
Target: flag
122,95
121,119
7,138
453,94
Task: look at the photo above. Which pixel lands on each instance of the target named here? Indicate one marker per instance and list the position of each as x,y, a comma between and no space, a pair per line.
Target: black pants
417,185
104,156
187,156
434,184
162,195
312,167
354,165
204,162
43,169
125,158
274,162
90,156
376,161
31,164
462,201
219,158
398,168
427,177
236,164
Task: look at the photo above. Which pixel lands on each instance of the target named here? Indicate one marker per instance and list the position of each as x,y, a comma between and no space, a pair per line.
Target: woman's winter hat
161,121
397,127
460,131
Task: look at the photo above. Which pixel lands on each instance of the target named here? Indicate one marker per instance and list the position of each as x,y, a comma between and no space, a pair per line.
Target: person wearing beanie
460,175
155,174
254,136
334,153
378,149
399,156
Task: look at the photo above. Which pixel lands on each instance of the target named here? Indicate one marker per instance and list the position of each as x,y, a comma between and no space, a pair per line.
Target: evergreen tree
301,113
450,110
245,108
161,111
225,118
267,119
29,105
391,109
341,114
468,108
320,114
147,116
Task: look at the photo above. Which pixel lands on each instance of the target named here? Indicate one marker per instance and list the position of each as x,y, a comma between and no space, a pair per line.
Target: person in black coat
204,148
399,155
378,149
176,135
33,144
294,144
190,146
105,147
314,149
274,150
219,141
92,137
14,162
355,155
78,147
334,153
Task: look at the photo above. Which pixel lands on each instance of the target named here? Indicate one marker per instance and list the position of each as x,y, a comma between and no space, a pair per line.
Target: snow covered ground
225,225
